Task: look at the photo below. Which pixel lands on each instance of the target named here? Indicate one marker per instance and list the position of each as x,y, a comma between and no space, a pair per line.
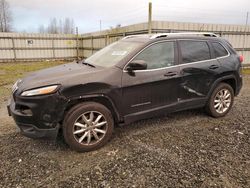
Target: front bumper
37,117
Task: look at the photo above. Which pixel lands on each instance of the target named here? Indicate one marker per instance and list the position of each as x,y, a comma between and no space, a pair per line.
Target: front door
157,86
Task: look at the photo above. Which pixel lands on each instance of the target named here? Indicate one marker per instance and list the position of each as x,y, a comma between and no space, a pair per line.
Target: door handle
214,67
170,74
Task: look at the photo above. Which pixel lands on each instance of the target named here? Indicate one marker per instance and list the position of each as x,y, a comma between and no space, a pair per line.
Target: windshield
112,54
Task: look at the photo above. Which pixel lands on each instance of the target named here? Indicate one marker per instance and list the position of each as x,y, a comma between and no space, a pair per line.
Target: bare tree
60,26
42,29
5,17
68,26
53,27
118,25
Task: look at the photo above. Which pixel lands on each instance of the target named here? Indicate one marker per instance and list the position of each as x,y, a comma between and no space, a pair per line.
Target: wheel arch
230,80
100,98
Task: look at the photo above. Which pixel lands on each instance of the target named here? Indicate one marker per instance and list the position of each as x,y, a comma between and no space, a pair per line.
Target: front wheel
88,126
221,100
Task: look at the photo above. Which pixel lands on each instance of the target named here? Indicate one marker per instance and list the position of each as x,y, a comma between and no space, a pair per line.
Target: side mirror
136,65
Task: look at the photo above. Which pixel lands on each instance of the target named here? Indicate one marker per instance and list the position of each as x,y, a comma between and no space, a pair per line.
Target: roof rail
135,36
205,34
127,37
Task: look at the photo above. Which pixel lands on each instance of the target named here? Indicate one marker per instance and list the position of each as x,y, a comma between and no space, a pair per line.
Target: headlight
40,91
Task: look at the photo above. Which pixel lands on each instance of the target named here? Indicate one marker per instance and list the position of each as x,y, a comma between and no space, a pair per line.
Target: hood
63,74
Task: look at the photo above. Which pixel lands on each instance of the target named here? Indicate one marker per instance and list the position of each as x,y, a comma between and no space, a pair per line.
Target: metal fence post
245,35
92,44
82,48
13,48
106,40
77,45
53,48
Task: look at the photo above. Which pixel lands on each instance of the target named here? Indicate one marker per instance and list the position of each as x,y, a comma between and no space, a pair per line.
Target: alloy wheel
222,101
90,128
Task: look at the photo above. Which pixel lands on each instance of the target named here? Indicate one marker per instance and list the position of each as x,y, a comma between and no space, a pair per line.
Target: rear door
198,69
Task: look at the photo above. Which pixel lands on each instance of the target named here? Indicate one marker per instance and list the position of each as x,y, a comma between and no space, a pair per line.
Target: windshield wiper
85,63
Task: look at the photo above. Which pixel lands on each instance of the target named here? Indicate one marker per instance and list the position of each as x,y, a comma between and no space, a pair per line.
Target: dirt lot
185,149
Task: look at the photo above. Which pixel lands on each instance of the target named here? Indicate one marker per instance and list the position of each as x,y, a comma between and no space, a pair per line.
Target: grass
246,71
10,72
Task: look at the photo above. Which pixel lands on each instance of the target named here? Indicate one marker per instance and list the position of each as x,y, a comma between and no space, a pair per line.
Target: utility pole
150,17
245,35
100,25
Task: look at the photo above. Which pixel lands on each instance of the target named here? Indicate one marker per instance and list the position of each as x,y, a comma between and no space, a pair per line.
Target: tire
220,101
87,126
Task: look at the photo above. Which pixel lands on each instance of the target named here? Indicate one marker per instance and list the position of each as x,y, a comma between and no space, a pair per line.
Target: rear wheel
88,126
221,100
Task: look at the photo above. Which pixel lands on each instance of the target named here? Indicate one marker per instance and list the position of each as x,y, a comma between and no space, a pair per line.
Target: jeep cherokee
137,77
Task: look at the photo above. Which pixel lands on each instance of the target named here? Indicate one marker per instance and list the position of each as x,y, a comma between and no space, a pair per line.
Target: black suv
135,78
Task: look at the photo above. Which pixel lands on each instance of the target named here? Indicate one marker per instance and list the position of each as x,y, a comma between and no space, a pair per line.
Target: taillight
241,58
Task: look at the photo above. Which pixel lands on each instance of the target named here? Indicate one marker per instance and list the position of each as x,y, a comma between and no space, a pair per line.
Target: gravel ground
184,149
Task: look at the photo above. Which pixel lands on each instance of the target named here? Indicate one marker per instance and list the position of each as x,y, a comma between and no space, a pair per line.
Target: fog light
47,117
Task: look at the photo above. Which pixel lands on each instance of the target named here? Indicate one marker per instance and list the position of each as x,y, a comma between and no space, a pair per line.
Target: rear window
219,50
193,51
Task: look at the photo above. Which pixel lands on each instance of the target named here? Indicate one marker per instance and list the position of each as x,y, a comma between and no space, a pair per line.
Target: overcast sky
29,14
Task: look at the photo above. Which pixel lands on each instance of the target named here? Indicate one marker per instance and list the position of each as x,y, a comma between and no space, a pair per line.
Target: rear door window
193,51
219,50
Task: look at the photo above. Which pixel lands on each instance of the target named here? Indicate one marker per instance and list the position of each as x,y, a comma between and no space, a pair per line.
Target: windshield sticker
120,53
